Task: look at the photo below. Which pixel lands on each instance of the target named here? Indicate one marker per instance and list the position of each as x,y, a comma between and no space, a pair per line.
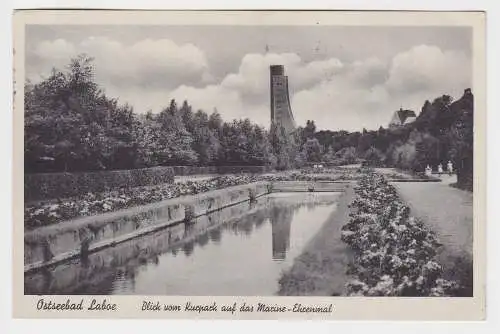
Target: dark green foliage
284,147
244,143
344,156
72,126
61,185
374,157
197,170
174,142
442,132
309,130
189,213
313,150
242,169
461,135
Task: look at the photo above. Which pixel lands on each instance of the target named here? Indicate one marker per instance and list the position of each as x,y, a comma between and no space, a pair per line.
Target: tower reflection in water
281,221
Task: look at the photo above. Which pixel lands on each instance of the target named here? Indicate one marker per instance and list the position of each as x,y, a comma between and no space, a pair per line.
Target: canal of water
241,250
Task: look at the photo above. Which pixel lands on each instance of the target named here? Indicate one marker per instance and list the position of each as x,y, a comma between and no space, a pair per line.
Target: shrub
62,185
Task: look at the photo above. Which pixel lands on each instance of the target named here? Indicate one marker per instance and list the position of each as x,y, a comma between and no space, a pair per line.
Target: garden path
448,212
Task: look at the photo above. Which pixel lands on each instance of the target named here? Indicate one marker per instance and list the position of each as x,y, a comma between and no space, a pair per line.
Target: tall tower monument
281,111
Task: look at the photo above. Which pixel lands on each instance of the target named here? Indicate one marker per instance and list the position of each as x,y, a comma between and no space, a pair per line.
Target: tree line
442,132
72,125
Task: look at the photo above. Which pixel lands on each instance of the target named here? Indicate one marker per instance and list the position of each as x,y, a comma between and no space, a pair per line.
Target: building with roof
402,117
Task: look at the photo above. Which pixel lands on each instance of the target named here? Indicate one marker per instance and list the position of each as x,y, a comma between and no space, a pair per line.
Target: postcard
249,165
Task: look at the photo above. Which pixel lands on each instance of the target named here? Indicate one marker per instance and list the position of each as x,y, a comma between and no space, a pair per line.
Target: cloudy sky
342,77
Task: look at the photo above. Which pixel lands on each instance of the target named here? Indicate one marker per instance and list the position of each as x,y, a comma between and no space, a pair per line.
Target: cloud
146,64
325,90
56,49
366,93
252,78
426,67
245,93
346,95
342,103
228,102
366,73
349,96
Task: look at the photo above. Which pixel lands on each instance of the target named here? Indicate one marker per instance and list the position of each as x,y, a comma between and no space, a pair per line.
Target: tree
261,148
461,139
148,131
206,142
300,159
187,116
404,156
329,156
374,157
71,125
283,146
313,150
309,130
346,156
174,141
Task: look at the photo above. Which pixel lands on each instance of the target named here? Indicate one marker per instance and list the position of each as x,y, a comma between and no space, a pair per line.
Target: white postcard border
344,308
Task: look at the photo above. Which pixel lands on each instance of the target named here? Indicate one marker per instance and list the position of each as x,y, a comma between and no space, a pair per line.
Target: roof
403,115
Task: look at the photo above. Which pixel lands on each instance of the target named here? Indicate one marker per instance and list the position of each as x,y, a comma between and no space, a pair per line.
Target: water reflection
237,251
215,235
281,222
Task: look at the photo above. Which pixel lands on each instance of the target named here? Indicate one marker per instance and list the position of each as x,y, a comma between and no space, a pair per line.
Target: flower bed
303,175
394,253
402,176
92,203
42,214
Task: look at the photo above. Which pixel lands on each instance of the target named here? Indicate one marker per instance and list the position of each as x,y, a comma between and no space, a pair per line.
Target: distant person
440,169
428,170
450,167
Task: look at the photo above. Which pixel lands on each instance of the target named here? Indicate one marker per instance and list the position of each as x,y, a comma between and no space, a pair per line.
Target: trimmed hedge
46,186
243,169
194,170
61,185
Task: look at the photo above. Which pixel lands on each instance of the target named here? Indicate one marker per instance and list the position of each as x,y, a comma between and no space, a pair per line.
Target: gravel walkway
448,212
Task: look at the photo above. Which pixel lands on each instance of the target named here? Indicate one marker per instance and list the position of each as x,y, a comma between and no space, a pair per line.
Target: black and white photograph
249,160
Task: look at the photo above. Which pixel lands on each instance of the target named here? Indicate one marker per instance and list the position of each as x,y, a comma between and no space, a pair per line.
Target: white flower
432,266
396,261
38,212
401,228
356,286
